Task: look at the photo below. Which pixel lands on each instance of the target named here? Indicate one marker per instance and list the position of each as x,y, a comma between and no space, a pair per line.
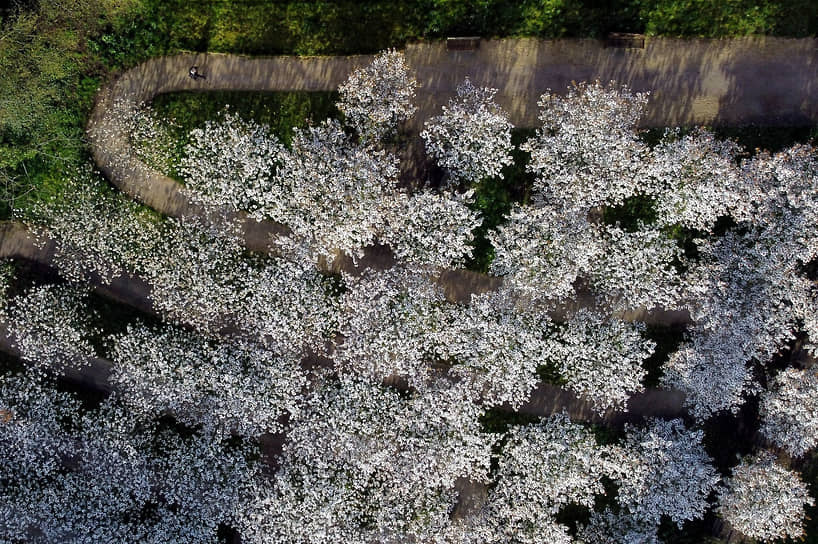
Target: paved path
760,80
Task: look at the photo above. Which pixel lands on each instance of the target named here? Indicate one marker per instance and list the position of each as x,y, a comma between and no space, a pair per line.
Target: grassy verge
752,138
281,111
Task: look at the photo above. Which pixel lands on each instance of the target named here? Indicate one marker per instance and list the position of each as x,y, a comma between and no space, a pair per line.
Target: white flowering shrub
431,228
225,386
33,440
789,411
608,527
495,348
150,136
391,326
7,274
601,358
740,297
543,467
289,306
105,475
696,177
764,500
375,99
51,326
97,233
805,307
364,463
712,370
334,191
778,192
587,152
484,529
750,275
471,140
664,471
635,269
231,162
197,273
543,251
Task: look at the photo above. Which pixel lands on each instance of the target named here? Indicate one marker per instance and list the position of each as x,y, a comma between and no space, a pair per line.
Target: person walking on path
194,73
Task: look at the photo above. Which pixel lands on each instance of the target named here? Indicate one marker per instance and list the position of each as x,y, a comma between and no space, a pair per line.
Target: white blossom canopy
471,141
375,99
106,475
587,152
664,471
601,358
51,326
789,411
764,500
364,463
224,386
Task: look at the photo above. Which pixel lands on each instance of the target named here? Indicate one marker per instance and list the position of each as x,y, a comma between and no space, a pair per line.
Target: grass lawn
281,111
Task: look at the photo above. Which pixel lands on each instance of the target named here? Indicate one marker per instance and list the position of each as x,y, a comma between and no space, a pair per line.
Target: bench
462,44
625,40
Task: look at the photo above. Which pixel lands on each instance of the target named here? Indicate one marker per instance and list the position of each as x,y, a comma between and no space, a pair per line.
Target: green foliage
537,18
494,197
668,338
286,27
282,111
750,137
707,18
550,373
636,210
497,420
47,88
772,139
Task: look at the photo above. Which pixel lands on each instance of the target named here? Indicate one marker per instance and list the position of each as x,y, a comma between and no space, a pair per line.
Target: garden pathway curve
763,80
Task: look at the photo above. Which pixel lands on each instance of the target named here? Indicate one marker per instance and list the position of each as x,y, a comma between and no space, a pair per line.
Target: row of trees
256,346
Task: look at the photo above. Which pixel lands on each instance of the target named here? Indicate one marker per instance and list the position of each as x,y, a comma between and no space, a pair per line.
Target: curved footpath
765,81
